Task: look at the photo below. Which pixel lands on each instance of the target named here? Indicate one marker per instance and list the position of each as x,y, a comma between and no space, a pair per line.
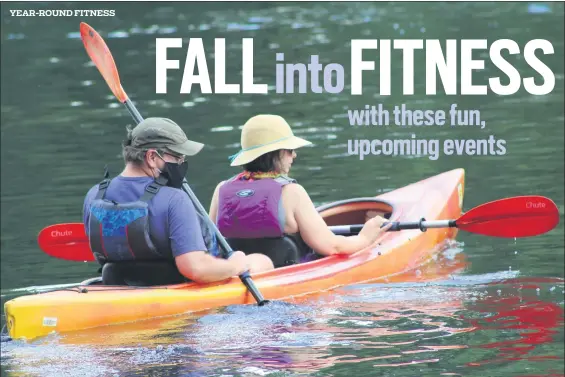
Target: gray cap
163,133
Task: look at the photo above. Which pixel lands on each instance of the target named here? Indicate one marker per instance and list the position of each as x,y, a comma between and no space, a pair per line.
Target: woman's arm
213,213
316,233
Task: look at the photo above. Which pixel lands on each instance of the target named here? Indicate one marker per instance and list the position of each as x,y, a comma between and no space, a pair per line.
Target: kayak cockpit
285,251
291,248
354,211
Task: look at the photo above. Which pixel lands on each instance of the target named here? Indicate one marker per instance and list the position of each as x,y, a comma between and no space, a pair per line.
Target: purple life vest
252,209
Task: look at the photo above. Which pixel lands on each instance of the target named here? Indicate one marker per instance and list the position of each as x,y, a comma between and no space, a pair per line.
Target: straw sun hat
263,134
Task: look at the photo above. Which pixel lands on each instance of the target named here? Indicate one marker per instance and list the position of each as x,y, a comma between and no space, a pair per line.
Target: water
435,323
487,307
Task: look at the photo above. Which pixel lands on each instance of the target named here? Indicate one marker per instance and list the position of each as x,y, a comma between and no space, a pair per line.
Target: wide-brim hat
262,134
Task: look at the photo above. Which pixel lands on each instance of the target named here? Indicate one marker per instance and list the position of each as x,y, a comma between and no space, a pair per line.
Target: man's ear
150,157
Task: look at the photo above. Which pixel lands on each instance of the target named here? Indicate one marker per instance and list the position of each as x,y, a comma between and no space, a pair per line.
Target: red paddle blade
102,57
66,241
520,216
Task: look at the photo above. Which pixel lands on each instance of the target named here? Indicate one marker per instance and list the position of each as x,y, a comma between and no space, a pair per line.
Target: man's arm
201,267
189,249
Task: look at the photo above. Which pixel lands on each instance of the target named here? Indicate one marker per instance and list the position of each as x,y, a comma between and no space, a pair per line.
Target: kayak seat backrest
283,251
353,211
141,274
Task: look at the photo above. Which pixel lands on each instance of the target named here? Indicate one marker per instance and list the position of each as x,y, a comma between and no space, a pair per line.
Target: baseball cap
163,133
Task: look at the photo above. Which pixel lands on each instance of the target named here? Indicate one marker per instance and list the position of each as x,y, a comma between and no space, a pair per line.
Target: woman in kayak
144,229
262,210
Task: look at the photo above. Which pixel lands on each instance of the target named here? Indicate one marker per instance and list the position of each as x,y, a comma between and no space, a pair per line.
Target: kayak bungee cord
82,289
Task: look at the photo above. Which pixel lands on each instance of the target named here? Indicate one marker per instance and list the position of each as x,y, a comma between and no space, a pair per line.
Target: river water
483,307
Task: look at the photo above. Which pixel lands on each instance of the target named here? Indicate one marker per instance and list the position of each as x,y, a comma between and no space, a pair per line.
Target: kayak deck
435,198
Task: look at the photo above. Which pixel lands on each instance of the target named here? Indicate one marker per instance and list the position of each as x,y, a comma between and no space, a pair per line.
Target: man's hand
239,262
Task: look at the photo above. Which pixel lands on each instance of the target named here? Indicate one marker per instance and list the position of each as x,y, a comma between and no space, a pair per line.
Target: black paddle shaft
423,225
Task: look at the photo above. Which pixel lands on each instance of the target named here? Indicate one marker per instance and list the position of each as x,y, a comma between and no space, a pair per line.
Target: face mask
174,173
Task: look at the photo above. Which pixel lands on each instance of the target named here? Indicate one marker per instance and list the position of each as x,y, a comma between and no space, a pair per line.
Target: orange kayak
88,306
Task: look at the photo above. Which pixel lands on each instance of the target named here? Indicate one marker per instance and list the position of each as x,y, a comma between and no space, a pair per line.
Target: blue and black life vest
119,232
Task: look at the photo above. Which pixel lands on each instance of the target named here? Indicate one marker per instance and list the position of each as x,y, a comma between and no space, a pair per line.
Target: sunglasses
178,159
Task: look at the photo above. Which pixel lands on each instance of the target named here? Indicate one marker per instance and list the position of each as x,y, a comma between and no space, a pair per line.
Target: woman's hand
372,213
372,228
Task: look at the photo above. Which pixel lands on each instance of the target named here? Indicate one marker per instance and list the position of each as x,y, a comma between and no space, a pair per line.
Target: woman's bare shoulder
220,185
295,191
294,188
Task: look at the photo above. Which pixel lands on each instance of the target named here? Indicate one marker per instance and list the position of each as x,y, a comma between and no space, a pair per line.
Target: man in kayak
262,210
144,229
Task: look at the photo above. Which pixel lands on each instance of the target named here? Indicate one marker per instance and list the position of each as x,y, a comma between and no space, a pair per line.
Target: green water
60,125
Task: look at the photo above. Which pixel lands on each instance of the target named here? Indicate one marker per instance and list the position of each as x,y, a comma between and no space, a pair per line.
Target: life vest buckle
104,184
152,188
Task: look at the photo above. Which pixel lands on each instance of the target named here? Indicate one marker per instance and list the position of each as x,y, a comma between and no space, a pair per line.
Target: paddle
66,241
521,216
102,57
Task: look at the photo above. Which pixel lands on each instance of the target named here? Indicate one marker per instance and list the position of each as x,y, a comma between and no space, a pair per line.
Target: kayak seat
141,274
353,211
283,251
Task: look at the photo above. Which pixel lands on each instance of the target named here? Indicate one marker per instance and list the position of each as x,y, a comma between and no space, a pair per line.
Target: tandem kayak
89,306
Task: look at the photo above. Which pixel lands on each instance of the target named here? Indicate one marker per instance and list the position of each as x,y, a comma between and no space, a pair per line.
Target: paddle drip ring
422,227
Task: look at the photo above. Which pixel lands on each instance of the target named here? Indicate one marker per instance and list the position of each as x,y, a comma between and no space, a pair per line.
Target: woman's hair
265,163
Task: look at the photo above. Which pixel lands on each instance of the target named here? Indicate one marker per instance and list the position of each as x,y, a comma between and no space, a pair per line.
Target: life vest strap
102,187
152,189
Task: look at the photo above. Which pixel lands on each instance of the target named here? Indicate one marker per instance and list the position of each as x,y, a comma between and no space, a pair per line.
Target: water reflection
529,321
447,326
429,318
